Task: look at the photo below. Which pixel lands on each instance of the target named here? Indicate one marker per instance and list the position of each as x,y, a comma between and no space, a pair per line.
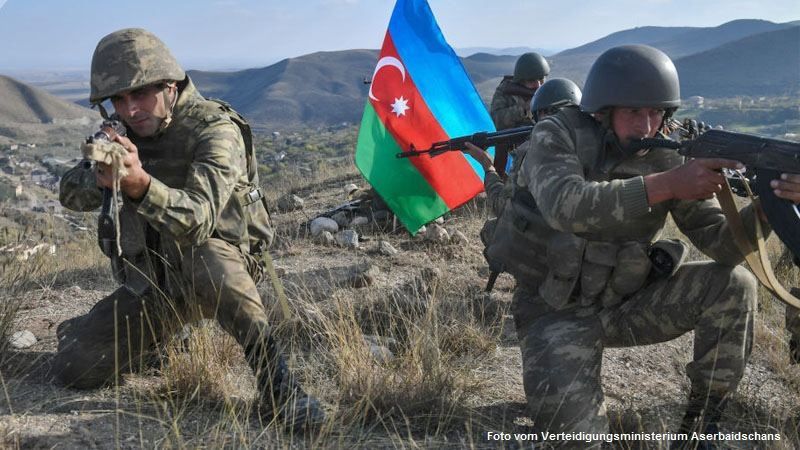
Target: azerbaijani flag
420,94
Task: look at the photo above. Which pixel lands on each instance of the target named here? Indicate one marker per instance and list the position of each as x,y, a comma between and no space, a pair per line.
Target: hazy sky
59,34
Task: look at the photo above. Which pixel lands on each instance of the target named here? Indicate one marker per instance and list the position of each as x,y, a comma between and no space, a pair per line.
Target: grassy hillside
326,88
694,41
674,41
766,64
412,355
320,88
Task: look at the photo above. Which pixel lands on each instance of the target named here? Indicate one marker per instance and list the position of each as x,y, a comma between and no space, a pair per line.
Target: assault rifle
483,139
106,228
766,159
755,152
348,207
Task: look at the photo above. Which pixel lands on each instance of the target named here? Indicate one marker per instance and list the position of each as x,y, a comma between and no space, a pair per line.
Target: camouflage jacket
511,105
198,189
499,191
591,211
510,109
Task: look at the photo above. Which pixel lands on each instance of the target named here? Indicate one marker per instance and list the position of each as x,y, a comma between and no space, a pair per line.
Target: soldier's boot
703,415
280,395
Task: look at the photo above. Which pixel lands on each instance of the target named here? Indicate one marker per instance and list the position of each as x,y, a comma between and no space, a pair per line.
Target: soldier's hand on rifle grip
480,155
787,187
136,182
697,179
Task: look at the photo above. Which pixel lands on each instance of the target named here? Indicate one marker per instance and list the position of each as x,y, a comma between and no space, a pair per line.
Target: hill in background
752,58
24,103
677,42
766,64
513,51
320,88
326,88
30,113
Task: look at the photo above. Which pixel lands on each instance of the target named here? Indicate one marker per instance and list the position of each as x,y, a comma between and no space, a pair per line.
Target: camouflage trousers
562,349
121,330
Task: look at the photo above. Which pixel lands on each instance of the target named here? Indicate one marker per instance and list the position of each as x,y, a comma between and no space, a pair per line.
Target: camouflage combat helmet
631,75
531,66
555,93
129,59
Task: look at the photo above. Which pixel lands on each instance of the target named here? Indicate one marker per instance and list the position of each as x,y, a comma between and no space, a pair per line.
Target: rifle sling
269,266
756,258
283,302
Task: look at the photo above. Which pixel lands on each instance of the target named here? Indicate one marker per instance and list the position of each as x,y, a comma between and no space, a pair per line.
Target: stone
290,202
386,249
363,275
436,233
347,238
321,224
458,237
22,339
325,238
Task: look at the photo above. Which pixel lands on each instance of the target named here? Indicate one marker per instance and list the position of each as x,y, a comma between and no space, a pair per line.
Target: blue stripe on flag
437,72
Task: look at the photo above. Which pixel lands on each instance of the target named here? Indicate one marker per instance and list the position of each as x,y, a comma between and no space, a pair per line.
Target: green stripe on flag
398,182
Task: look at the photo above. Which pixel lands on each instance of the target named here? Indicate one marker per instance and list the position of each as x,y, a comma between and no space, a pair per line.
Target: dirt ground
645,386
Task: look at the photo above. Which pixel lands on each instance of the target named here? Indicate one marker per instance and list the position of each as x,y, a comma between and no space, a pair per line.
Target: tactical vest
565,267
243,221
259,226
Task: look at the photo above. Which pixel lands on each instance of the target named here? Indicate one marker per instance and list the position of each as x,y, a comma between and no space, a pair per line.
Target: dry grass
197,367
433,391
423,379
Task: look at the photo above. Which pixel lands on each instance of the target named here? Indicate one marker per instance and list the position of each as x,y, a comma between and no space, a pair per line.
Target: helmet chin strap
165,92
103,112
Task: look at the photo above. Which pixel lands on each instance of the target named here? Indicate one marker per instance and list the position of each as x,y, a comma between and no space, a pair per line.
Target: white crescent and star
383,62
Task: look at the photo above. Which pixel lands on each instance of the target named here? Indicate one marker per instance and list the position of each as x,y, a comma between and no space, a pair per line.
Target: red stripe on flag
403,111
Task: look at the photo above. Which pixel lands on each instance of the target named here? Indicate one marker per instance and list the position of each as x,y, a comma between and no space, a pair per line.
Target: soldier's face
632,124
144,109
533,84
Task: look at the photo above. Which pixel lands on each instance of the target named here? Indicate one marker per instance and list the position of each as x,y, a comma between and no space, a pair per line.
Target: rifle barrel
481,139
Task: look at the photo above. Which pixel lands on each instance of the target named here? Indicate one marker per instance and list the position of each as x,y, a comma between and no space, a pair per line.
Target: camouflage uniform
510,109
498,194
499,191
193,244
551,96
590,283
185,245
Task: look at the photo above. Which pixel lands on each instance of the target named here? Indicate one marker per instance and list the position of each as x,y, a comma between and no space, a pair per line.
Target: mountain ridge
330,87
